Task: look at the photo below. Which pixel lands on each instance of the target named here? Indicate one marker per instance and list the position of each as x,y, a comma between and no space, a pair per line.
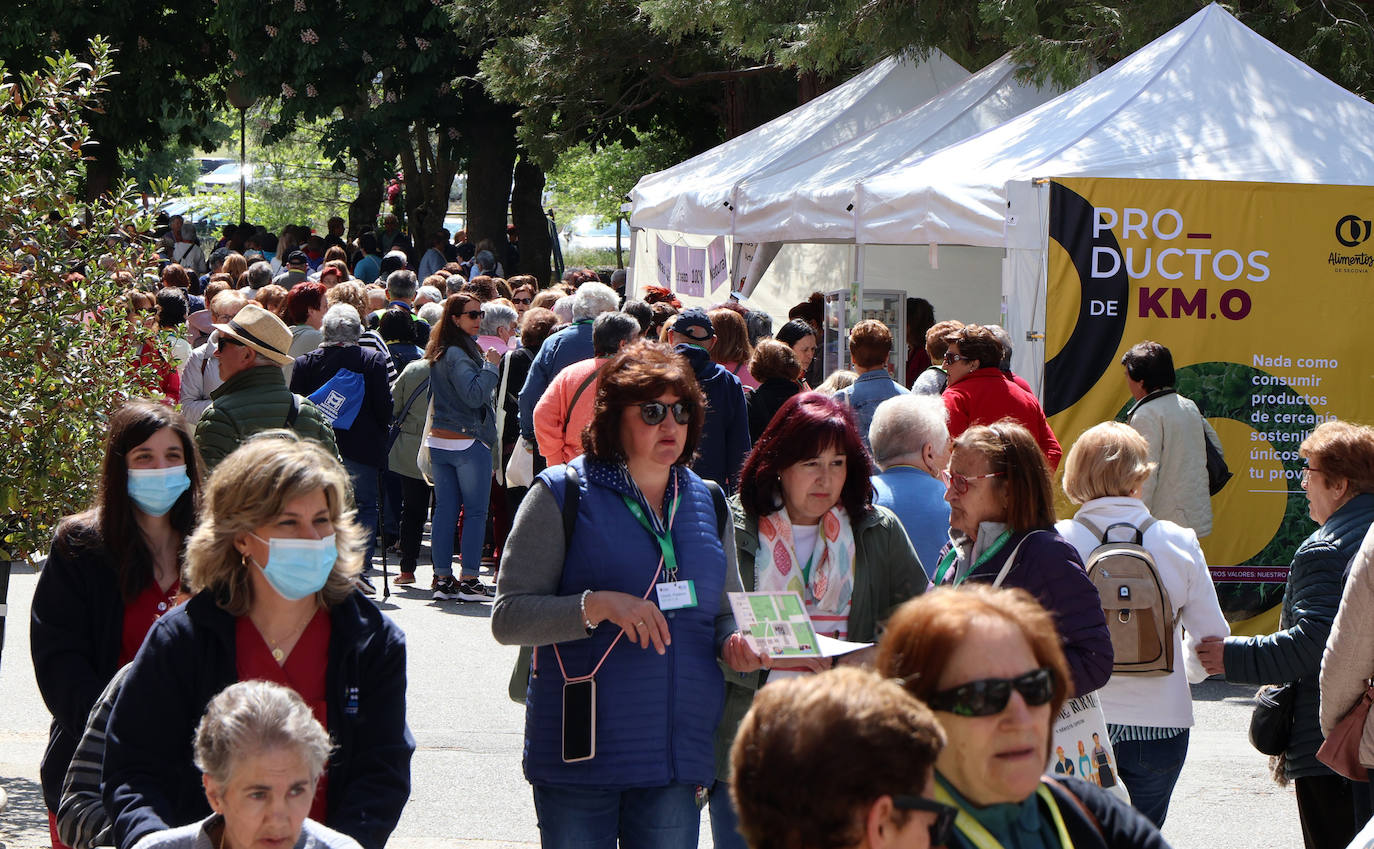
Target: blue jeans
462,481
1150,770
724,820
637,817
364,478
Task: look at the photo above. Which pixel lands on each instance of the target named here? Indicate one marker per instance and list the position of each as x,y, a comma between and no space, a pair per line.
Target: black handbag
1271,724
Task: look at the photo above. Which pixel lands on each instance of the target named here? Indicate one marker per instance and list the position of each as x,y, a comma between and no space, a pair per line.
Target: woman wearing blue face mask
272,565
111,572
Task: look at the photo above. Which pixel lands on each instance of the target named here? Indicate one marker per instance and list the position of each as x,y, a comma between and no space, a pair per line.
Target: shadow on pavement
1218,690
24,822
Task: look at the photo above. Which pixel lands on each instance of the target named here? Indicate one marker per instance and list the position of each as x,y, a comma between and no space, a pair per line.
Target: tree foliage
1060,40
595,181
71,356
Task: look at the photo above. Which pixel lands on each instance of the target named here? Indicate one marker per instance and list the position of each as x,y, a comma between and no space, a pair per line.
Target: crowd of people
621,465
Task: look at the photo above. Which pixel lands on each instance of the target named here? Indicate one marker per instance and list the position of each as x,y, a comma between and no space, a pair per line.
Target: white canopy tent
1209,100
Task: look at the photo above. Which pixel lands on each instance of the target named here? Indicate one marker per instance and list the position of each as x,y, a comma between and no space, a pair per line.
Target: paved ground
468,787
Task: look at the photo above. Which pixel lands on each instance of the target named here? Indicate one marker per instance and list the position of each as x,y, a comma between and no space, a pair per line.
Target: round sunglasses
654,412
990,695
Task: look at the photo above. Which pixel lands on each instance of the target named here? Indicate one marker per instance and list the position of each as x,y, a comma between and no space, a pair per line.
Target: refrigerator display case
845,308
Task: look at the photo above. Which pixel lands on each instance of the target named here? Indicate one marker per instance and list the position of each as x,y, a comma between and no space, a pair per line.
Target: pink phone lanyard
652,583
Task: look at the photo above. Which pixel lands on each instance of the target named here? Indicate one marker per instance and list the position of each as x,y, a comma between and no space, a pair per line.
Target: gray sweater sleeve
528,611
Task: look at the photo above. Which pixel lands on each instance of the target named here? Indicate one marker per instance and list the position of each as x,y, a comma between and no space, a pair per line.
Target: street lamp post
241,101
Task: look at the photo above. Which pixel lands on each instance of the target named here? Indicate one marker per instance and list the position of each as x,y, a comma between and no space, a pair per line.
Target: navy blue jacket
656,715
1049,568
364,441
189,656
76,621
725,438
1316,579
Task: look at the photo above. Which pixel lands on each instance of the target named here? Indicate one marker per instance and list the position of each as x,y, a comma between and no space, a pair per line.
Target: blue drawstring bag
340,398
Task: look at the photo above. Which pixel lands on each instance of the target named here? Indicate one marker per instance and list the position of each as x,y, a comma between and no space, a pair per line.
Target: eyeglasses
475,315
654,412
959,483
523,300
941,829
1307,471
954,358
990,695
226,339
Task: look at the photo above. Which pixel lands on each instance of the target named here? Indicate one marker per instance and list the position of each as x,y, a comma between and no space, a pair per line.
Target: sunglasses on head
990,695
941,829
654,412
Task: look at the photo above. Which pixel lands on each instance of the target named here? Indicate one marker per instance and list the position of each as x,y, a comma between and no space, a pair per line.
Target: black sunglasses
943,827
990,695
654,412
472,314
523,300
226,339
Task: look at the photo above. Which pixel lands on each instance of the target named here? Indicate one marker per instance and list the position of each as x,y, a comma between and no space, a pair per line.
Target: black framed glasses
943,827
654,412
526,301
960,483
990,695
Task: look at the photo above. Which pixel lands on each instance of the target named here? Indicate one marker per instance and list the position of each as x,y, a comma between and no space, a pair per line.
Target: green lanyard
953,552
665,540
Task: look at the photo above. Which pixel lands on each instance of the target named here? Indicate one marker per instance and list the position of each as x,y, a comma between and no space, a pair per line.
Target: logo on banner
1352,231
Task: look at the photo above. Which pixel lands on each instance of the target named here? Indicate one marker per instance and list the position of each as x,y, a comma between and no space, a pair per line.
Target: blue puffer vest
656,716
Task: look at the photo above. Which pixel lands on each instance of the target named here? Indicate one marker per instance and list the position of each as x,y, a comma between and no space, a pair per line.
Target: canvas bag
340,398
1140,616
1079,720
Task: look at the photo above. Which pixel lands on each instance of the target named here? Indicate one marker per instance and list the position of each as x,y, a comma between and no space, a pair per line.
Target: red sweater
987,395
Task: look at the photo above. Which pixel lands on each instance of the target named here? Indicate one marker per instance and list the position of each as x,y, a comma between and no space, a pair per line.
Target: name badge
675,595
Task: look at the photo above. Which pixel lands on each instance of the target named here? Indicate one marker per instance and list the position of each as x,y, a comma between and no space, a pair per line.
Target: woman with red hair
805,522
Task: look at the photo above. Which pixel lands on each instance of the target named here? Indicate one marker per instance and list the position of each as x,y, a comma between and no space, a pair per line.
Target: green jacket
886,573
254,400
407,445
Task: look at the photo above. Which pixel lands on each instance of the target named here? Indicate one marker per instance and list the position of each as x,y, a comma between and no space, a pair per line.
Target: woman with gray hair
910,441
271,564
349,384
498,326
261,755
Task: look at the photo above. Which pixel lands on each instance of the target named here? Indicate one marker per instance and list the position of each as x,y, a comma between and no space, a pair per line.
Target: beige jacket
1348,661
1177,490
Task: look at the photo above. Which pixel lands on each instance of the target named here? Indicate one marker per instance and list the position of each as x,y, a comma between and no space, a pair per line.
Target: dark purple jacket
1049,568
365,441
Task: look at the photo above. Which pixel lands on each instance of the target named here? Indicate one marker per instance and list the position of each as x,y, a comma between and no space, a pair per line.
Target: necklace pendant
278,655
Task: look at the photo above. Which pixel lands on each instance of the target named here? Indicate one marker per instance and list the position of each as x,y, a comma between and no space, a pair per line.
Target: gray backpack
1139,614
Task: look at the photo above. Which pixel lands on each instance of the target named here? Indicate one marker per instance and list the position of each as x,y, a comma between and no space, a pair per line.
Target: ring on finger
639,624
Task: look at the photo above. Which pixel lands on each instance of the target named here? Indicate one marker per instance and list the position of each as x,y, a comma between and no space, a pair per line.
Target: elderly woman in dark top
627,610
1002,533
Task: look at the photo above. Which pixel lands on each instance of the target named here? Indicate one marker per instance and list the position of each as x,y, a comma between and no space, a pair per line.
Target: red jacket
986,395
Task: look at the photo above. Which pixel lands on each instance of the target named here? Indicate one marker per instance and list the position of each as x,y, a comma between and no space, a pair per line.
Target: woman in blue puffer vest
633,601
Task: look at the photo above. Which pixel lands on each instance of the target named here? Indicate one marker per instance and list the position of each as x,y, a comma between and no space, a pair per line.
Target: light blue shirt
863,397
919,502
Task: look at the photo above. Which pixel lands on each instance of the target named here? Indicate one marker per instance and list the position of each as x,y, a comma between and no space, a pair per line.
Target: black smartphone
579,720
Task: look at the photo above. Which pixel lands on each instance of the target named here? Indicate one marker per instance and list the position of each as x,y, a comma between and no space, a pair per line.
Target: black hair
793,332
1151,364
171,307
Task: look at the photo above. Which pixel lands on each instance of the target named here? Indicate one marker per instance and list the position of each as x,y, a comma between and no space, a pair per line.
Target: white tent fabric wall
696,196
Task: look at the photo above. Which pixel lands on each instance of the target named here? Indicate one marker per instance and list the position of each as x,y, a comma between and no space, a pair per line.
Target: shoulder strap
722,509
294,412
578,394
1158,393
1094,529
572,495
1011,561
405,410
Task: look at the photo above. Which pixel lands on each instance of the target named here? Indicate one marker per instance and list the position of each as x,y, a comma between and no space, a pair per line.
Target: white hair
341,326
563,308
431,294
592,299
905,425
496,316
431,313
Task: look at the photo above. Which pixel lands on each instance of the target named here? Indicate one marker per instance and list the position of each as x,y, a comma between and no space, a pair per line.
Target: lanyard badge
673,594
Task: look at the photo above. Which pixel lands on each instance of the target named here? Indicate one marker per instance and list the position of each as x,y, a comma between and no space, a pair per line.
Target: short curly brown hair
935,338
773,360
641,372
870,343
1342,451
976,342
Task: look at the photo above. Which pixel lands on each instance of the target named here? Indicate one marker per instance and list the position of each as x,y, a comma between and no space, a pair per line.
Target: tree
164,88
71,355
1058,40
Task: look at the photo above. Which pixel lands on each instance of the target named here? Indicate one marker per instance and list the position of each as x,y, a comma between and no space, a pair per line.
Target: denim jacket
462,390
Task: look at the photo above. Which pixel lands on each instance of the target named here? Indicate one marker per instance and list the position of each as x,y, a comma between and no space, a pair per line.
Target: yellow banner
1260,291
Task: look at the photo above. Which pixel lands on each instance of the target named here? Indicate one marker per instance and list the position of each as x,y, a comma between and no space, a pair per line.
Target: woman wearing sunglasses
1001,531
988,663
616,572
1148,715
805,522
844,759
463,383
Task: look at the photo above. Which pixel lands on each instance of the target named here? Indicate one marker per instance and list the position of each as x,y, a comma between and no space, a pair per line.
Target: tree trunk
491,161
429,178
102,170
367,206
527,213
